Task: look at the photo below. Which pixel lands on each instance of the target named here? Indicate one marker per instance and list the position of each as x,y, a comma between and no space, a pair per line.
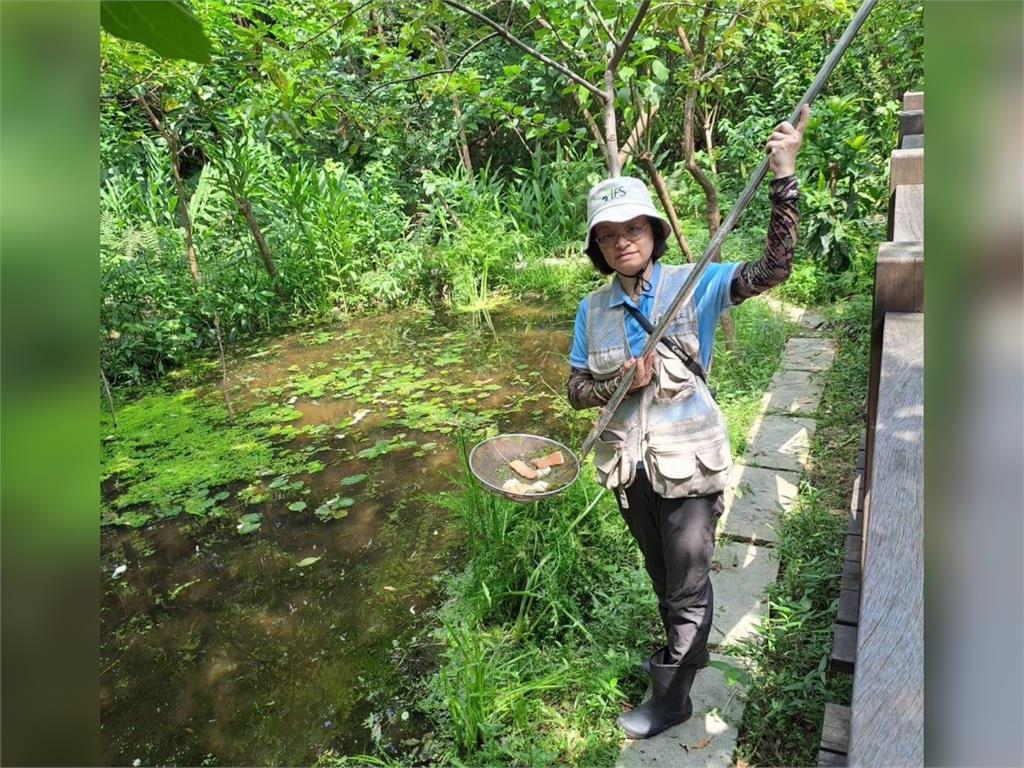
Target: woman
666,451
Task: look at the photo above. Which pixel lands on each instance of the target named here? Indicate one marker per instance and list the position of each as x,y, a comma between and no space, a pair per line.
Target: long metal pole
686,292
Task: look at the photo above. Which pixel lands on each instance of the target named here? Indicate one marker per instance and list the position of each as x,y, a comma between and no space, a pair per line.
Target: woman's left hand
784,143
644,371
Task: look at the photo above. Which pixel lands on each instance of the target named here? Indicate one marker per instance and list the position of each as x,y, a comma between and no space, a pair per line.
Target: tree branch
447,71
705,27
647,162
524,47
684,40
639,130
603,23
591,124
620,49
551,28
328,28
611,136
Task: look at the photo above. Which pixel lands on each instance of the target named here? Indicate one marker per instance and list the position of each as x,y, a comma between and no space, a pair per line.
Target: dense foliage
392,153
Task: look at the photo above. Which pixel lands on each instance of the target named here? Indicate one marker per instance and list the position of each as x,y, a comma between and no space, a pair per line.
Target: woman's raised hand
784,143
644,371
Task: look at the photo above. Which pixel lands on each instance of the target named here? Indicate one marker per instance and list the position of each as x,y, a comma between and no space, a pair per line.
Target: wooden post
906,167
913,141
913,100
906,219
899,287
911,122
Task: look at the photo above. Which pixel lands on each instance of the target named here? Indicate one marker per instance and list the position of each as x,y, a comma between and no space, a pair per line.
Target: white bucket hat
620,199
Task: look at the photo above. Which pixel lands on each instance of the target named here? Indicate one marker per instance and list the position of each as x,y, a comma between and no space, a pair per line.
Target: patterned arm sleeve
774,267
586,392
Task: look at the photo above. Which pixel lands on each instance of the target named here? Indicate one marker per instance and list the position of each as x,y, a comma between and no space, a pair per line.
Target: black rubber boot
668,705
701,663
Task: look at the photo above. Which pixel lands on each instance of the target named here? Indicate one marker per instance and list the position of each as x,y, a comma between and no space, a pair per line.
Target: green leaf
166,26
335,509
353,479
659,70
732,673
297,506
306,561
249,523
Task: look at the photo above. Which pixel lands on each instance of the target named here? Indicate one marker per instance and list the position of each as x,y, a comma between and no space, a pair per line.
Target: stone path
764,484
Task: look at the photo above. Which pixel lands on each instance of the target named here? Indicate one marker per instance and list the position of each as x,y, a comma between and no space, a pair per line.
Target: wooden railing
879,633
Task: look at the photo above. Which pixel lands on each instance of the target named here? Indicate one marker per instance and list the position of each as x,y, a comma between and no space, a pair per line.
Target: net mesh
489,461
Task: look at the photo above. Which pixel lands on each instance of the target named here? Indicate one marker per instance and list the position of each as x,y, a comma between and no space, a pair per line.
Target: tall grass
487,683
538,628
549,197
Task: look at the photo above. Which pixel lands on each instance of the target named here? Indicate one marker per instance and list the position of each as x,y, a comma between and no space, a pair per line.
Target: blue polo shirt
711,297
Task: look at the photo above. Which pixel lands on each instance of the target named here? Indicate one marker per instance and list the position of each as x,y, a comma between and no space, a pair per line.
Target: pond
273,606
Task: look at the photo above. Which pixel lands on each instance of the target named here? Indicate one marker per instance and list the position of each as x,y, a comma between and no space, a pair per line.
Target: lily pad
249,523
353,479
297,506
335,508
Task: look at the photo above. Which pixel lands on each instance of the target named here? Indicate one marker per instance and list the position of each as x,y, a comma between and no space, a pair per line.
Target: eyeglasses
632,233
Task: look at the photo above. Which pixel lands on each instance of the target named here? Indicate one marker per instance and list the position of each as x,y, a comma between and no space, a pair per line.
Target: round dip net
523,467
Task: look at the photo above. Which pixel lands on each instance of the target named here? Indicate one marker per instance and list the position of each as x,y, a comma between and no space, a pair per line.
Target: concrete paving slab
707,739
812,354
794,391
754,501
741,572
780,442
808,318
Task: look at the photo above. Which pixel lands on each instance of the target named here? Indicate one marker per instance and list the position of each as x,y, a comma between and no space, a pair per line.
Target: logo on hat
612,193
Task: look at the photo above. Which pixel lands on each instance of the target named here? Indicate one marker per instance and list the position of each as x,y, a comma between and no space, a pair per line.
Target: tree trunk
193,262
611,137
174,145
714,214
186,220
463,142
257,233
666,202
710,117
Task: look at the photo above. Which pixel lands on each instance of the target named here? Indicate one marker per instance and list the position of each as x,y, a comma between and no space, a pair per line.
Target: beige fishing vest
673,426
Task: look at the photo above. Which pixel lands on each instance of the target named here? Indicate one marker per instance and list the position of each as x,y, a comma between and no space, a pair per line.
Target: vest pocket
674,381
611,459
715,458
680,468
